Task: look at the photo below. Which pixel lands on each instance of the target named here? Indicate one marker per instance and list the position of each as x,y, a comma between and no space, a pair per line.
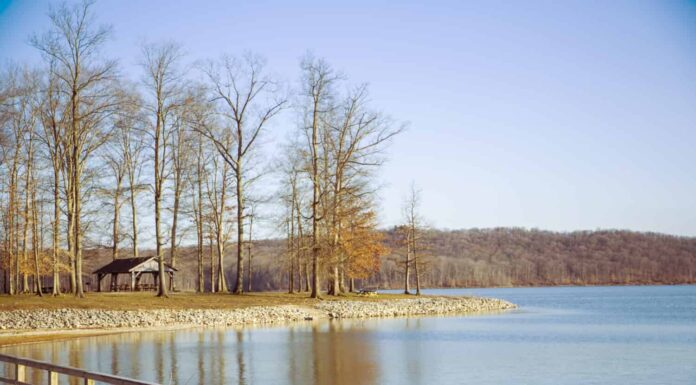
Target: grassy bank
147,300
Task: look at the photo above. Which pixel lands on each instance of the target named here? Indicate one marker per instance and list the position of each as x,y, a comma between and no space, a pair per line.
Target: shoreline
40,325
657,284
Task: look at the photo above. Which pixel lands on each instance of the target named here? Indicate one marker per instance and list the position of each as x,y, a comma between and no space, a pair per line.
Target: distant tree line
492,257
519,257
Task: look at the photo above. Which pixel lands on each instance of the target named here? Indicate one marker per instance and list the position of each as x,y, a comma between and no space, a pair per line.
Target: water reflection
342,354
320,353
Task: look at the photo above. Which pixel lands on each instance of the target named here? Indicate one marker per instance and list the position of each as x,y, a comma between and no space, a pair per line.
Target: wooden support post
171,281
52,378
20,373
89,381
132,281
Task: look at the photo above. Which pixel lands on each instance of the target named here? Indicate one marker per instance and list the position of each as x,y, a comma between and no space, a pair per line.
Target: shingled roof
126,265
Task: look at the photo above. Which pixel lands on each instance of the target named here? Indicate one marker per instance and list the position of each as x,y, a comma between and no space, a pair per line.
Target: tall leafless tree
317,79
162,81
247,100
413,227
53,130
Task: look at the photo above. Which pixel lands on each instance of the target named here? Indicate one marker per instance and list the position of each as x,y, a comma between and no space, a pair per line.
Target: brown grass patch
147,300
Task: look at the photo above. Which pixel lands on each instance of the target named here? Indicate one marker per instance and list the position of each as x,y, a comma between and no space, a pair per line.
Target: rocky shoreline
413,307
92,319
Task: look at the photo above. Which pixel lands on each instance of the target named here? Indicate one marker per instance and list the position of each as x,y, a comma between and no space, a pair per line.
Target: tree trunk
408,262
35,243
415,263
212,265
117,196
134,212
221,280
239,285
12,219
291,243
70,235
315,203
199,250
175,216
342,281
56,226
199,214
27,221
249,247
334,290
220,230
159,175
78,235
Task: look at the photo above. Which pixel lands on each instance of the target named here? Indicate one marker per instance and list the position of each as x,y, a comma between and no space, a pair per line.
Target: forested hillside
512,257
497,257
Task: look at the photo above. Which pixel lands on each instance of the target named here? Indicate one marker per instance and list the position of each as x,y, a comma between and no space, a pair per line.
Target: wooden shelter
136,268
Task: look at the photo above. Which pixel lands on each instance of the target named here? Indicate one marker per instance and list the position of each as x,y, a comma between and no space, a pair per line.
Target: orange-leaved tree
362,245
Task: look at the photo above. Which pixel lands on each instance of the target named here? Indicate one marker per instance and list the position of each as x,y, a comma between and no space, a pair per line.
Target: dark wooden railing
87,377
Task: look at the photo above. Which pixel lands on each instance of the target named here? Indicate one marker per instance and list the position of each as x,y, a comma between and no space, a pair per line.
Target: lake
559,335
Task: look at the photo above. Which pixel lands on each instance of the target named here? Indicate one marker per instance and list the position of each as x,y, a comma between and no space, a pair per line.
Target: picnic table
367,292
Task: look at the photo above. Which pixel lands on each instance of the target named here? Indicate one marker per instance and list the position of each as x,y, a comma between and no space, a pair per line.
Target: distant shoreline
541,286
37,325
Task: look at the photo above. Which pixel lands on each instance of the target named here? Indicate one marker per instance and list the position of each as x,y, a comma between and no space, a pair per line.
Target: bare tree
35,236
250,243
216,190
317,79
19,115
355,140
162,80
413,226
29,145
117,158
247,101
180,156
114,159
52,122
290,167
73,44
197,179
133,147
196,182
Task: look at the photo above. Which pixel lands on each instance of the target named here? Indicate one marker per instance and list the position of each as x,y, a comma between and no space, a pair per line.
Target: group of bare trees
56,115
328,186
411,241
180,146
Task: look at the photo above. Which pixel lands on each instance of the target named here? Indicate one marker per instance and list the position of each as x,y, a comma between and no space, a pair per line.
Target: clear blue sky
559,115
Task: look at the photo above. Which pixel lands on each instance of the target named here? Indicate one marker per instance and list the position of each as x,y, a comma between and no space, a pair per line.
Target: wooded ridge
495,257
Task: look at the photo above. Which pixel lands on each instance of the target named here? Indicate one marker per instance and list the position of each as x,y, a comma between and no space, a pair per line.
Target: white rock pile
71,319
105,319
413,307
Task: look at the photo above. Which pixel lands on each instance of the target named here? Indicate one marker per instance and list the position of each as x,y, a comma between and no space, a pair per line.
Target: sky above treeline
542,114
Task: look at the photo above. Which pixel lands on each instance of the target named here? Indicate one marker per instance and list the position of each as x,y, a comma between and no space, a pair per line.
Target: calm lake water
560,335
